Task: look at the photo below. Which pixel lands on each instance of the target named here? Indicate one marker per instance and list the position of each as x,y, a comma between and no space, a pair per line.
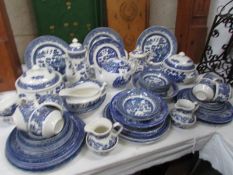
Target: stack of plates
32,154
210,112
156,82
143,115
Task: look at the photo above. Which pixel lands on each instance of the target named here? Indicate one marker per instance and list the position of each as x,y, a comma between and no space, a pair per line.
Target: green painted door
68,18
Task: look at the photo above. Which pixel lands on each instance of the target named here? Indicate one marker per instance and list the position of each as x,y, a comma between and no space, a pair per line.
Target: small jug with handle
102,135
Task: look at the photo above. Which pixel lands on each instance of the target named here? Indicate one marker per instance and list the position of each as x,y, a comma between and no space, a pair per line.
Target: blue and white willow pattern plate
137,104
100,33
103,50
47,51
159,41
32,154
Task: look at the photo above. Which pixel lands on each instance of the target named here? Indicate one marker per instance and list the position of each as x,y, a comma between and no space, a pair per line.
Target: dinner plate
47,51
137,104
149,135
100,33
30,154
159,41
103,50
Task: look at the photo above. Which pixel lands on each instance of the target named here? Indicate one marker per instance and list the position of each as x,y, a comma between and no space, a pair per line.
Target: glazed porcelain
83,96
77,57
159,42
38,81
102,135
116,72
180,68
8,104
183,114
205,90
28,153
139,57
210,75
223,92
100,33
40,119
47,51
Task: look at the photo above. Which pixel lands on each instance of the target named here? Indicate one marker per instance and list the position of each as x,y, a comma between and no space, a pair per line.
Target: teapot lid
76,47
180,61
38,78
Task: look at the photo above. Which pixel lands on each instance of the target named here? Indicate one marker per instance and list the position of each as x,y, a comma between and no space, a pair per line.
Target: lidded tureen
180,68
38,81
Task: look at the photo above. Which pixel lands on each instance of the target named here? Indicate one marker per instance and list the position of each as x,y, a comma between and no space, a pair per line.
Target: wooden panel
129,18
10,67
191,27
196,42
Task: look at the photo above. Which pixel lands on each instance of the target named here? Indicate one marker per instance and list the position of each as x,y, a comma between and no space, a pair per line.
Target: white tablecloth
128,157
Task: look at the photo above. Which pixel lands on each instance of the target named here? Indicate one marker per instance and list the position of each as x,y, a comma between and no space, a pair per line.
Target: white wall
22,23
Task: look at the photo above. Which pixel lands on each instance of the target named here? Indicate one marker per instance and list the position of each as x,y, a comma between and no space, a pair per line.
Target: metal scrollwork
218,53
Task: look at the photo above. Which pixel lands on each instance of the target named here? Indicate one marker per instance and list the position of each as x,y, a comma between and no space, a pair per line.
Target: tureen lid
114,65
138,53
180,61
76,47
38,78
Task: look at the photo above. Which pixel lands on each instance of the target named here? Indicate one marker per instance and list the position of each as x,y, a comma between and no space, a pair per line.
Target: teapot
116,72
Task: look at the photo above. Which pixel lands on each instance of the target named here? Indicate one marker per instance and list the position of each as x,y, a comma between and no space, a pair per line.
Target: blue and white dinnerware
32,154
102,135
159,42
183,113
132,119
84,96
116,72
210,112
180,68
8,104
223,92
210,75
38,81
103,50
205,90
47,51
77,57
147,135
100,33
137,104
139,57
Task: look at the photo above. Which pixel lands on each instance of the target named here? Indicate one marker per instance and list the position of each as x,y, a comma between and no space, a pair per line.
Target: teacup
211,76
102,135
45,122
30,113
205,90
223,92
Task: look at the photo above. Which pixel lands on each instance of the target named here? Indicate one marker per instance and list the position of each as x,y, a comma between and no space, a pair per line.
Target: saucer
33,154
97,149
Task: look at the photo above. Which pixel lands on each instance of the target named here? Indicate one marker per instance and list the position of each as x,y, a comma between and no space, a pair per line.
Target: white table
128,157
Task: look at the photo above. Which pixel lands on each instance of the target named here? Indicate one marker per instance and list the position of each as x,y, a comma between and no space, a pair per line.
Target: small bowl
8,104
183,122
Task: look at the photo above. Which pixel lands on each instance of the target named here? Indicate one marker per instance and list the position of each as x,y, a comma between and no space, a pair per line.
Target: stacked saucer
210,112
156,82
32,154
143,115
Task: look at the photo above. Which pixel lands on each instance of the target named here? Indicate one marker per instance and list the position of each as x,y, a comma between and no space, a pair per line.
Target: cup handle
117,128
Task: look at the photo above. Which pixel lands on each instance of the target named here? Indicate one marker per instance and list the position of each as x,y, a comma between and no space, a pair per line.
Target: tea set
64,82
